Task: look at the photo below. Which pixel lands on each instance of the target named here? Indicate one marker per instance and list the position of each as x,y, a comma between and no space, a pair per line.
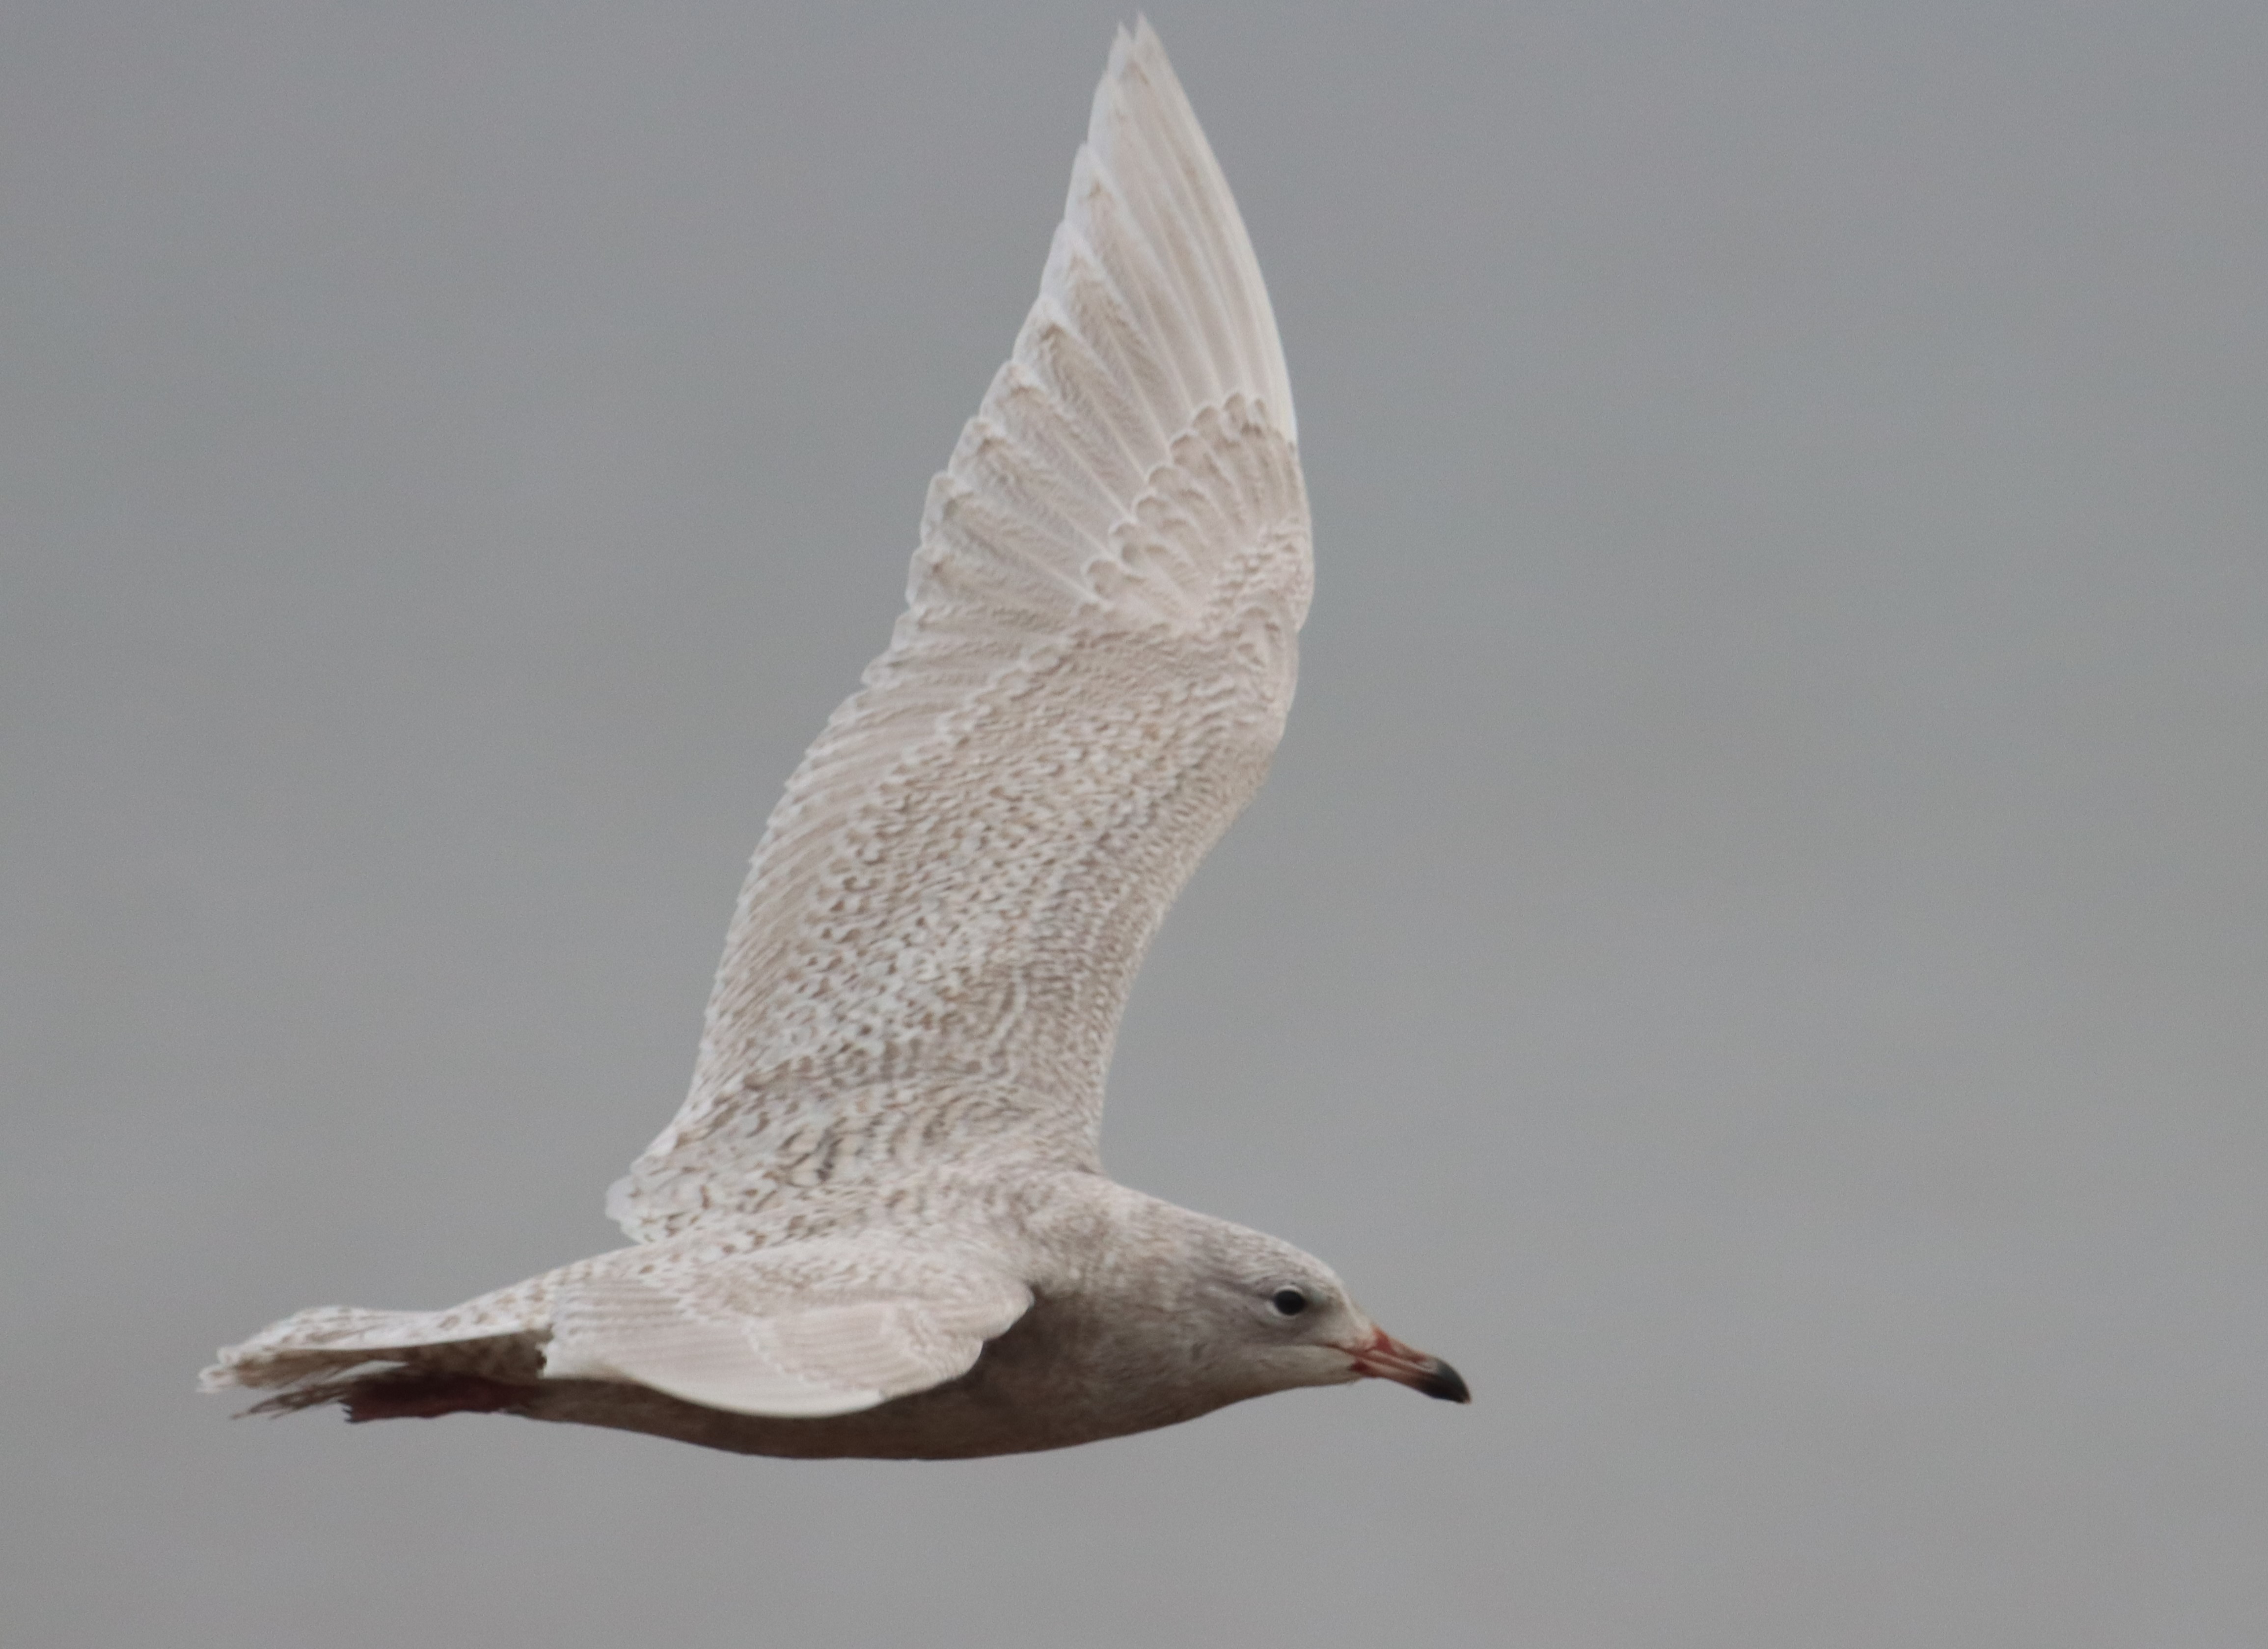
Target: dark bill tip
1445,1383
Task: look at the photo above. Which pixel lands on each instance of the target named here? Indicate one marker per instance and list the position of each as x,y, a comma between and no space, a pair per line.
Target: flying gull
879,1225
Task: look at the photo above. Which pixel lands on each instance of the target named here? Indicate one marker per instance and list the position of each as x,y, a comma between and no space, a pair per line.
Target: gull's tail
380,1365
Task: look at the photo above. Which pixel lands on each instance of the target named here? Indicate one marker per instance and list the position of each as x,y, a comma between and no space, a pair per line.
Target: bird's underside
879,1225
1034,1387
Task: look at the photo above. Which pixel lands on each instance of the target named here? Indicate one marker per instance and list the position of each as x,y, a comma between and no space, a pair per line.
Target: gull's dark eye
1288,1302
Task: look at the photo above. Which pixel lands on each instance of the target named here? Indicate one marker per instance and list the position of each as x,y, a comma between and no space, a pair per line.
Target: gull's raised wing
938,934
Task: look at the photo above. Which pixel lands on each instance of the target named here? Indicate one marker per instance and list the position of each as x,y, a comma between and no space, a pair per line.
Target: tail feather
320,1356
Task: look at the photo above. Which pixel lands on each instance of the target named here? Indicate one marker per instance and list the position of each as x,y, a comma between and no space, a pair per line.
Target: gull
879,1225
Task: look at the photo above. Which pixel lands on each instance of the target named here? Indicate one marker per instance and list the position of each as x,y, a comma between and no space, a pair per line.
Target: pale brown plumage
879,1225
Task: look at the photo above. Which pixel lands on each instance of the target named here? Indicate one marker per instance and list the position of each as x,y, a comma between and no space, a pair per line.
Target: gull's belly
1058,1378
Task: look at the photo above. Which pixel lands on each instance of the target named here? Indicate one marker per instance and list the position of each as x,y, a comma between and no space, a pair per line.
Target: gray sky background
1754,948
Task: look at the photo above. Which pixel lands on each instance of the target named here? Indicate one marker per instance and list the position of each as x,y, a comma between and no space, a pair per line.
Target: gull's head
1275,1318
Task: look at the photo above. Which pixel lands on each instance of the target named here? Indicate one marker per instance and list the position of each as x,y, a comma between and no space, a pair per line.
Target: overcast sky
1754,948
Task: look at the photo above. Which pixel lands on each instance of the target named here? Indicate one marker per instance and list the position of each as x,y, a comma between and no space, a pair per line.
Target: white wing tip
1166,118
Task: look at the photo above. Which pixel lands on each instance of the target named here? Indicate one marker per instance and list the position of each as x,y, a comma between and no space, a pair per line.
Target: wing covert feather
942,922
